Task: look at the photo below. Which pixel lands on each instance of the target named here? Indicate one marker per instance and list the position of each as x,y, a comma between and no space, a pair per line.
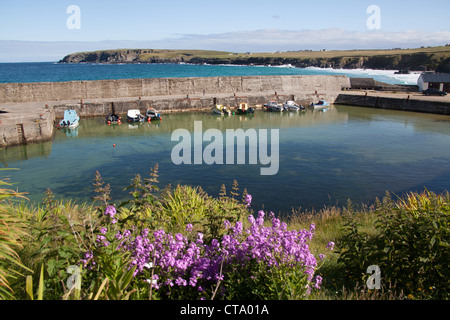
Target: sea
54,72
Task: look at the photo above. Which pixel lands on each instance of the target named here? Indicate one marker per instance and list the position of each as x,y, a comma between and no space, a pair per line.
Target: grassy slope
443,52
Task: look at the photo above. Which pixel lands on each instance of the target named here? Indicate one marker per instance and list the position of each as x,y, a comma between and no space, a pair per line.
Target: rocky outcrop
110,56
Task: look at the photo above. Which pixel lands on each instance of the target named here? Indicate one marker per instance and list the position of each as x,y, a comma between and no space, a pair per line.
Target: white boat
134,115
292,106
322,104
71,120
273,105
220,109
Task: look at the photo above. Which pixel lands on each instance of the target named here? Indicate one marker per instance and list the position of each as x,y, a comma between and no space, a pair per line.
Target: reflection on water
326,157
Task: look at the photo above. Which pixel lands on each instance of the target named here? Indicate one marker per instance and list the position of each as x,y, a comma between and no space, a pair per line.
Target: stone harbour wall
125,88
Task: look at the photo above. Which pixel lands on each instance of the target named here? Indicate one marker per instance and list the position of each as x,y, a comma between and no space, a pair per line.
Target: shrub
411,245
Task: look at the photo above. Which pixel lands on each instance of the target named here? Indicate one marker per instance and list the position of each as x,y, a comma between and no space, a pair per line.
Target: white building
440,81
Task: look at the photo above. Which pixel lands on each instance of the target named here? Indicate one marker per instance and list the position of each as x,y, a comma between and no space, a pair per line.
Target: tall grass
12,234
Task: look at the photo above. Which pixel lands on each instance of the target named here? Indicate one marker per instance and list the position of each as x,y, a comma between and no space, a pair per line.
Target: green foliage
258,282
59,232
139,212
221,209
181,206
113,276
411,245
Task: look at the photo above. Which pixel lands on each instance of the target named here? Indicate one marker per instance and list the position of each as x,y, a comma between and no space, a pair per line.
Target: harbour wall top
124,88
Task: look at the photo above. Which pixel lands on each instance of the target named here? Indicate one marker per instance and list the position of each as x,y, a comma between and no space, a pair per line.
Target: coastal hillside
421,59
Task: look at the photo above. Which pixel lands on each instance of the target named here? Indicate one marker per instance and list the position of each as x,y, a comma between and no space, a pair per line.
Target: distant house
440,81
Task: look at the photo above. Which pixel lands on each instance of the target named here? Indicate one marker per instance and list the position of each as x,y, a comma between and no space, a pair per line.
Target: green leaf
41,284
29,287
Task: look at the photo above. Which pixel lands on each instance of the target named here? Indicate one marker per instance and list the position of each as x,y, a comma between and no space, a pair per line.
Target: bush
411,245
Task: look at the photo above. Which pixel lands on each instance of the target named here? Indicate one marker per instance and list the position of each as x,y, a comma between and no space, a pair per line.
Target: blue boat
71,119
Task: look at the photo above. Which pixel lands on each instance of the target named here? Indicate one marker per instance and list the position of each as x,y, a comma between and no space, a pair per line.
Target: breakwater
414,102
151,87
28,111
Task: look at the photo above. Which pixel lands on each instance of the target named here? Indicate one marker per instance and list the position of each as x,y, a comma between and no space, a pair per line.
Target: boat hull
70,121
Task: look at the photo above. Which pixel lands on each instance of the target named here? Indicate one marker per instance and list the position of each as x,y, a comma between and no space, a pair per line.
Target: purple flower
110,211
330,245
103,230
318,282
189,227
248,200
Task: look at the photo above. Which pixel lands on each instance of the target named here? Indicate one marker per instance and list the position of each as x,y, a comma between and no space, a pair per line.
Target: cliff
423,59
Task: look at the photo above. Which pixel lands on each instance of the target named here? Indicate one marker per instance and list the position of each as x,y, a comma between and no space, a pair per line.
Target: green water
324,157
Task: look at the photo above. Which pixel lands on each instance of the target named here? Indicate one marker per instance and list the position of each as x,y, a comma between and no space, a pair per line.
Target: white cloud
333,38
266,40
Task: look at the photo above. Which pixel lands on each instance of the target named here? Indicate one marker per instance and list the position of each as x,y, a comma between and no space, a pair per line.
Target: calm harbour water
325,157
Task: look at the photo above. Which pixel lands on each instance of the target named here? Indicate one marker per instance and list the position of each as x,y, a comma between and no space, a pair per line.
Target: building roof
435,77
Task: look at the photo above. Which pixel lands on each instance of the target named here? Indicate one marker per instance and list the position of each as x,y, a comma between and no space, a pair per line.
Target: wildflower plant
257,262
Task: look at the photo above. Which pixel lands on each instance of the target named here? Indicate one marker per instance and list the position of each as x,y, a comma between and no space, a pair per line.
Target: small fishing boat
220,109
152,114
243,108
320,105
71,119
292,106
113,118
273,105
134,115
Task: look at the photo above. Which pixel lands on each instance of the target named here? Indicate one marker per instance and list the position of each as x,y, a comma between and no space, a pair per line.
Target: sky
47,30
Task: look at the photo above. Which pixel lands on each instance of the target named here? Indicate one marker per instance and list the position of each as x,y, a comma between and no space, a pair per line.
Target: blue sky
39,27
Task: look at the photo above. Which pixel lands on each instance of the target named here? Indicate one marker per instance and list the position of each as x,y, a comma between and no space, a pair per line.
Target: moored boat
134,115
243,108
292,106
71,119
220,109
320,105
273,105
113,118
152,114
